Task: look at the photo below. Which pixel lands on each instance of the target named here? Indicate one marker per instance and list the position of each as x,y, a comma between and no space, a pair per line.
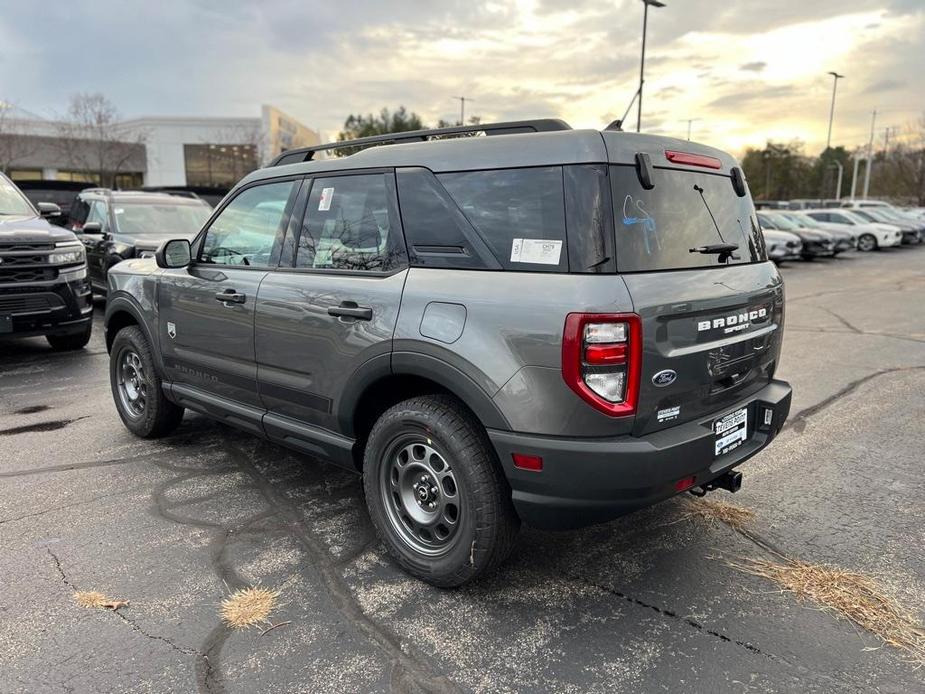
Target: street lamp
689,122
835,78
642,62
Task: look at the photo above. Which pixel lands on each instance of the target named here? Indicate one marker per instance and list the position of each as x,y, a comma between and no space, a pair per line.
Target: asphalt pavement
647,603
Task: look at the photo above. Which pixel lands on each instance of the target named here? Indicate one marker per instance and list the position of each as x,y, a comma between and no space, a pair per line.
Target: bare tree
92,139
900,170
15,144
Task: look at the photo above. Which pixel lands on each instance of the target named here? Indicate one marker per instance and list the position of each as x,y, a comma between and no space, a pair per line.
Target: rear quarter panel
511,343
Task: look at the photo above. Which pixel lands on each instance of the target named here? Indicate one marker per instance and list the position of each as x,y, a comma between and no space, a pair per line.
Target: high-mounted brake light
689,159
601,360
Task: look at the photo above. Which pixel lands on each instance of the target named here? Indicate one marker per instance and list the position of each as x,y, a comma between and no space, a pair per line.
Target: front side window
662,228
351,224
98,214
246,229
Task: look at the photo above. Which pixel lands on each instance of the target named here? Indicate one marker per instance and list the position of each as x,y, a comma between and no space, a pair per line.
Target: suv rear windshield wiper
724,250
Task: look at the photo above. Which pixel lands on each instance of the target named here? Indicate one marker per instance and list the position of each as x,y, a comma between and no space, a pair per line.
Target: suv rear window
656,229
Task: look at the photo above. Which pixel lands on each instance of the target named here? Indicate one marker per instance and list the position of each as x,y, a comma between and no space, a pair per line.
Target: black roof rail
540,125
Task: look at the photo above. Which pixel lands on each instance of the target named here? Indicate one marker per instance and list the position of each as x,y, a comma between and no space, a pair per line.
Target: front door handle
230,296
349,309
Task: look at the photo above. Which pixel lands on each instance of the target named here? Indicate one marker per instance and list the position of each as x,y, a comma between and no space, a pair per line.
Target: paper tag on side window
539,251
327,195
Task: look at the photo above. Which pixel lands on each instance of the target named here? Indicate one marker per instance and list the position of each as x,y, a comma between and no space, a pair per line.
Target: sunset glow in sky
746,71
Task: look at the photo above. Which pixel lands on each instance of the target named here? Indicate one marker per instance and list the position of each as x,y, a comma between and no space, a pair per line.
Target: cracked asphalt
645,603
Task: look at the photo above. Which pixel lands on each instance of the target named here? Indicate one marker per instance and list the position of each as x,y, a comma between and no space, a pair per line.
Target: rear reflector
534,463
684,484
605,354
689,159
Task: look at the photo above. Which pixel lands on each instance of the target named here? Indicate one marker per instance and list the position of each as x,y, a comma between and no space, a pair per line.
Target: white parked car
912,229
782,245
871,235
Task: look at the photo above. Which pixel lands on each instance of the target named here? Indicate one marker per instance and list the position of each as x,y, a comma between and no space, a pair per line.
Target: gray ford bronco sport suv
541,324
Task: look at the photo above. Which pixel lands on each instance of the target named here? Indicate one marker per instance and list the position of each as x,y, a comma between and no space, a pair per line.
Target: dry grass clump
736,517
856,597
249,606
94,599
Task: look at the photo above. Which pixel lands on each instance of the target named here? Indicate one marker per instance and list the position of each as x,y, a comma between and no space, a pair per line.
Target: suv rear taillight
601,359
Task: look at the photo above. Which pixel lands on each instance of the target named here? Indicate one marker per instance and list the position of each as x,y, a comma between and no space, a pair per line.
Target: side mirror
92,228
49,209
175,253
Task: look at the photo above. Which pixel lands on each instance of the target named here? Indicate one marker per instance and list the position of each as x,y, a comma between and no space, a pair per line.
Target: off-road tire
72,341
159,416
488,523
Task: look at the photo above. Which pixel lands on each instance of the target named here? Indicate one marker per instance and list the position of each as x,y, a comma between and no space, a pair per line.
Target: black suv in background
116,225
43,274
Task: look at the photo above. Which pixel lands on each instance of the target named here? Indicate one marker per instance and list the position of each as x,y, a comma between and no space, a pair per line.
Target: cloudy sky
747,70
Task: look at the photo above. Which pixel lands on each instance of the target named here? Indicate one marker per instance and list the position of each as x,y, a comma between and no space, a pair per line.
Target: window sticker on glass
327,195
119,210
540,251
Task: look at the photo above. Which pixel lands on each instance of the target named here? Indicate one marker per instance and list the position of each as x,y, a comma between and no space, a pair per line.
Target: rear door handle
349,309
231,296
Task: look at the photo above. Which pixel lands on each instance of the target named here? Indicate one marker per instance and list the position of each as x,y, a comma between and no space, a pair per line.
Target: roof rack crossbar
540,125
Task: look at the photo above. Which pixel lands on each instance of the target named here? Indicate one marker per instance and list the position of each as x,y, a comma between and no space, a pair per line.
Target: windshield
804,220
867,215
136,218
854,217
12,202
662,228
782,222
801,220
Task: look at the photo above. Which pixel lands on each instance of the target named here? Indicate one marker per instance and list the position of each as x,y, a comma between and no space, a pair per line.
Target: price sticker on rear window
540,251
327,195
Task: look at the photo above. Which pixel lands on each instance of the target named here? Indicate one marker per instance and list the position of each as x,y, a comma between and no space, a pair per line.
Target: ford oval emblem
664,378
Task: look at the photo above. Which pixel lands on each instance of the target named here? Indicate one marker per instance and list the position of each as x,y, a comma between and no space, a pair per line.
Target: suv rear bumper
587,481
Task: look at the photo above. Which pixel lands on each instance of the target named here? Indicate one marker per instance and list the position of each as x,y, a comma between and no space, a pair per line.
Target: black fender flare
125,303
425,366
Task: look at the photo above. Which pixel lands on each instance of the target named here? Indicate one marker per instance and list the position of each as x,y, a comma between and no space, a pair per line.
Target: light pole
462,108
835,78
642,62
689,121
870,155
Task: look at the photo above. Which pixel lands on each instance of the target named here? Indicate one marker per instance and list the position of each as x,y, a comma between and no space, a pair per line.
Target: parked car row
800,232
52,262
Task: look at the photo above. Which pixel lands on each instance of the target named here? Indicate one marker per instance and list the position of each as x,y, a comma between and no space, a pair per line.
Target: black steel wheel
136,387
436,493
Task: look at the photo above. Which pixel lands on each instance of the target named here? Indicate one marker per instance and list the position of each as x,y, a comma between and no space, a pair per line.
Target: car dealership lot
646,603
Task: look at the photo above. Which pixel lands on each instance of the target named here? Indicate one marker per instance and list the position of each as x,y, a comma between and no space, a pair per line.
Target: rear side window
552,219
590,220
438,233
519,213
657,229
